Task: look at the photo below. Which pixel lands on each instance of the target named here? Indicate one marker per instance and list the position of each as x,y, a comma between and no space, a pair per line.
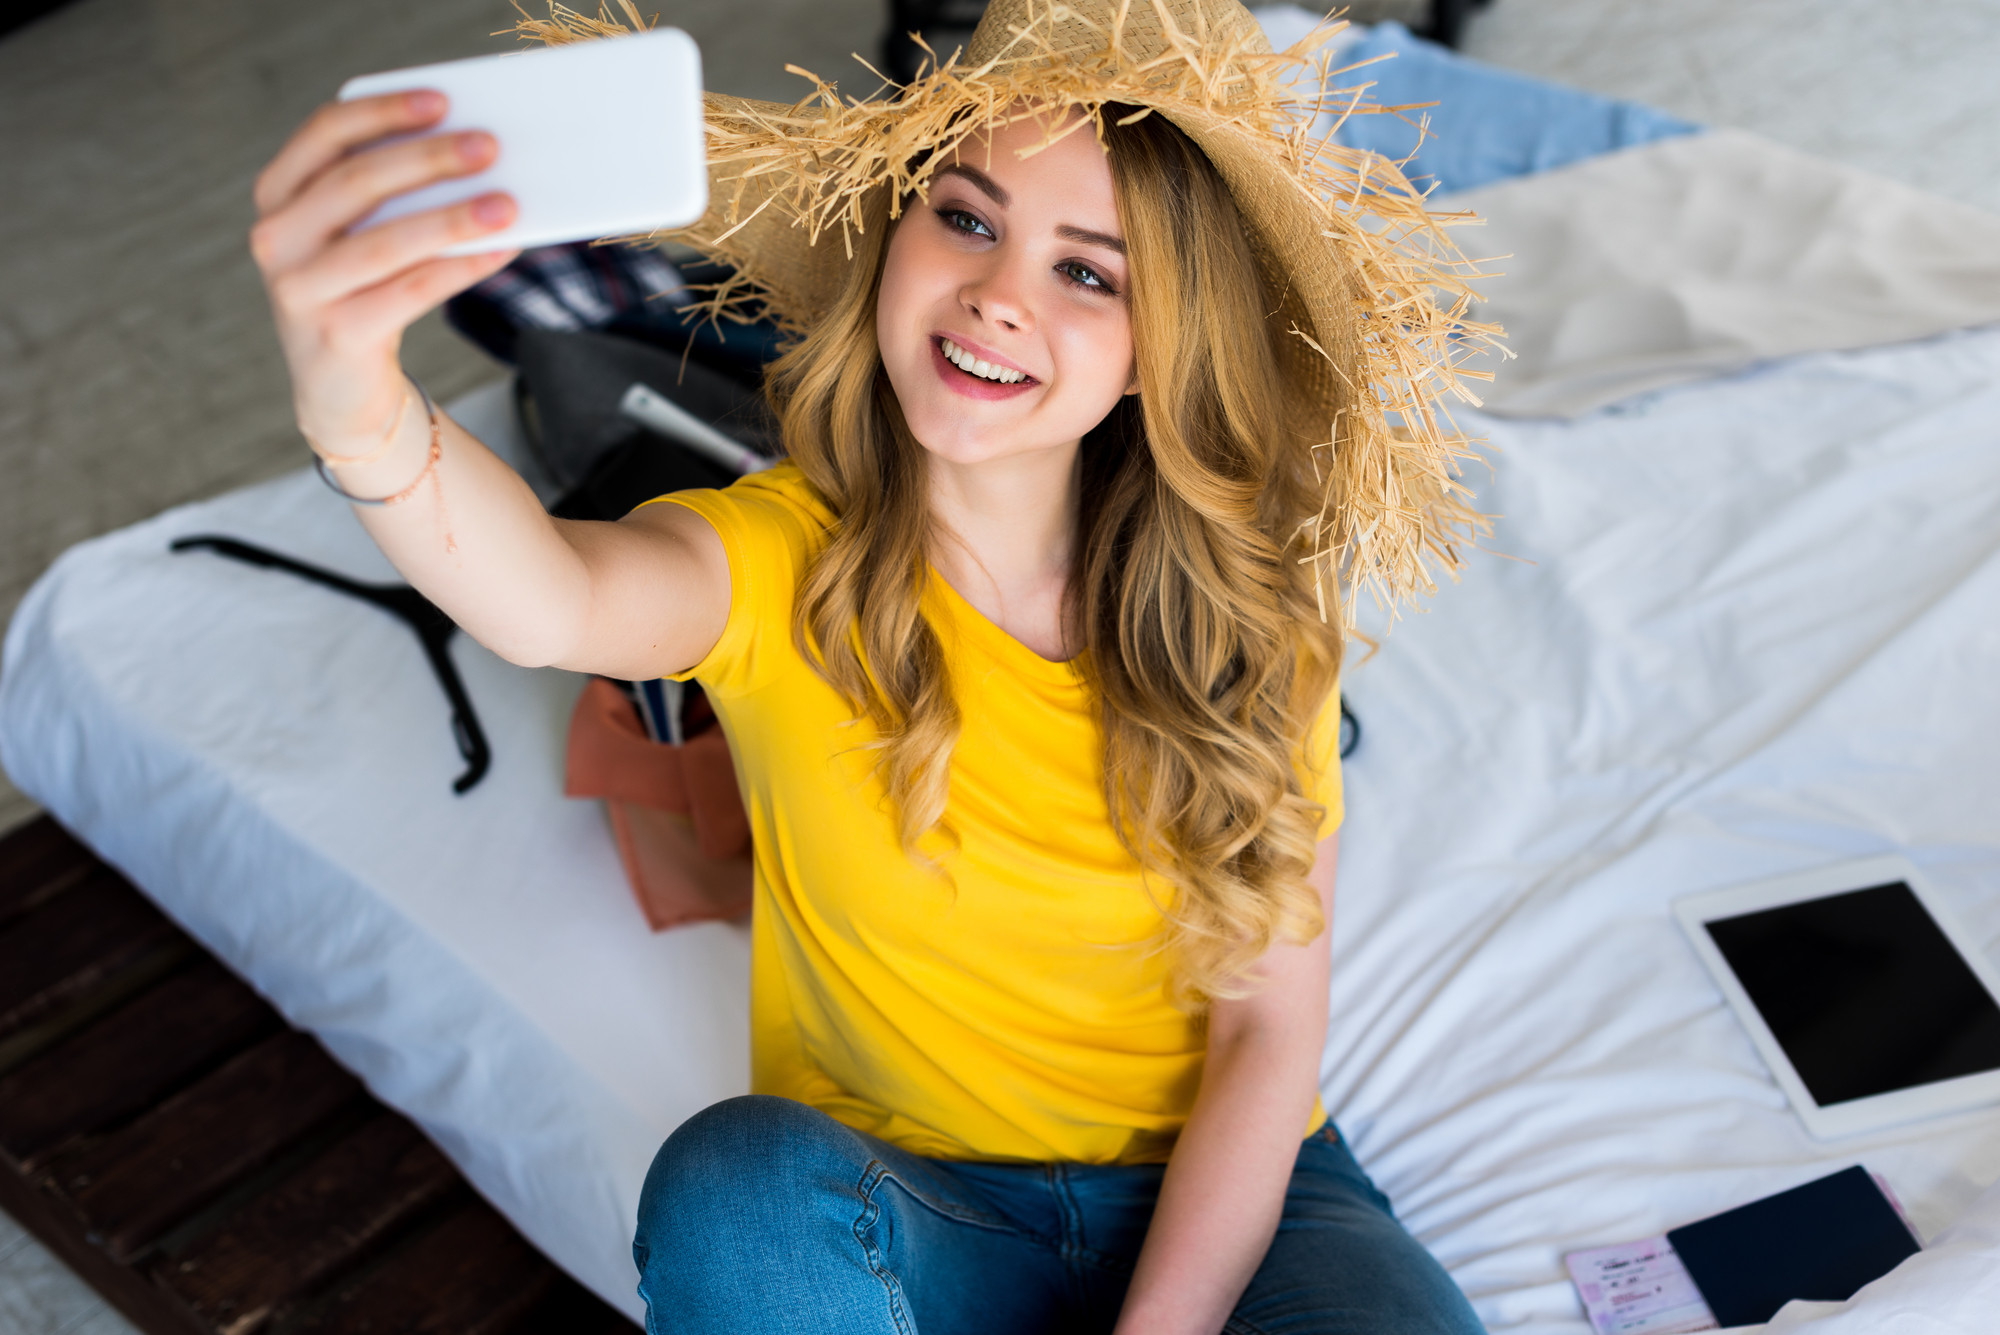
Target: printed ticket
1638,1288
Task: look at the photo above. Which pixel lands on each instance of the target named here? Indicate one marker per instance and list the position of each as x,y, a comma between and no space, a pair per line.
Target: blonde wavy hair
1207,657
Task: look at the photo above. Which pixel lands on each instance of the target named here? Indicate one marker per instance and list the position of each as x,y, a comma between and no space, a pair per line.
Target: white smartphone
599,138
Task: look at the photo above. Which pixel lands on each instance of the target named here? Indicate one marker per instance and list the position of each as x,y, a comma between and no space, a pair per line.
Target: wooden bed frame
208,1169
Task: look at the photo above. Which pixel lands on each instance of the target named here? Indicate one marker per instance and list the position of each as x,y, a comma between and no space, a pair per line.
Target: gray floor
136,365
39,1297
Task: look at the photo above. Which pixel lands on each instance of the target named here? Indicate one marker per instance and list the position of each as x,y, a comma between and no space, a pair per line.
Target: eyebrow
981,181
1090,238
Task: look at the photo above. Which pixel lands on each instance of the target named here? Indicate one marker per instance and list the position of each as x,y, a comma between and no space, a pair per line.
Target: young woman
1021,655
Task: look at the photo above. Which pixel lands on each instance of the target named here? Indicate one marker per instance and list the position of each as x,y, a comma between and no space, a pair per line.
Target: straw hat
1372,296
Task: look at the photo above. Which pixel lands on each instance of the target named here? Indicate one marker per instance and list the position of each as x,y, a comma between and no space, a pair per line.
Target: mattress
273,763
1728,631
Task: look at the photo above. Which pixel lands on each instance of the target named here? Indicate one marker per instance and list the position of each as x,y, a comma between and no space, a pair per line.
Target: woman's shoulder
779,493
772,524
763,515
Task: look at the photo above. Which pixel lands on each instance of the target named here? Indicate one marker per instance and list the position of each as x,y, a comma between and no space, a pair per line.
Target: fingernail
492,210
425,102
476,146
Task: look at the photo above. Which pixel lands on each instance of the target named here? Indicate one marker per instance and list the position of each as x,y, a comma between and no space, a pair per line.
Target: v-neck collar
977,627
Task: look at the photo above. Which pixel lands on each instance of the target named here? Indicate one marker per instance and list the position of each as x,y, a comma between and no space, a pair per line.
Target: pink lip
972,386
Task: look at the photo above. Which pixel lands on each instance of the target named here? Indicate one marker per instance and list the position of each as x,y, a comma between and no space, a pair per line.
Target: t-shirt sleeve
770,524
1319,765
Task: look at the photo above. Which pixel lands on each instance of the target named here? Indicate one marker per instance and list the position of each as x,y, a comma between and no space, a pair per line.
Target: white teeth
965,361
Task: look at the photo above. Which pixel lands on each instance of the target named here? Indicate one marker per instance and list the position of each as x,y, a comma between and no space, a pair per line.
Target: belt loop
1066,1209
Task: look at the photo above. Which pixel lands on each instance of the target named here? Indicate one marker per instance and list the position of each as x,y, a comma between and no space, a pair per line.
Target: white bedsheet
272,762
1756,627
1706,253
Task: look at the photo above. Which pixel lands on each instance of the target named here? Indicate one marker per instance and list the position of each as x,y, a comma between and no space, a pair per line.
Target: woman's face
1017,263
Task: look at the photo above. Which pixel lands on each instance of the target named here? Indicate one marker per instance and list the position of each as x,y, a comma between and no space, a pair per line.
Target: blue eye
958,220
1083,275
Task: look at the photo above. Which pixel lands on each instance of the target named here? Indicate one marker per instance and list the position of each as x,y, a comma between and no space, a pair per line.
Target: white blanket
1751,630
1707,253
272,762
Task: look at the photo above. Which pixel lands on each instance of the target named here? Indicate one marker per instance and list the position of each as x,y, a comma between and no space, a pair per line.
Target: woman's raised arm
636,599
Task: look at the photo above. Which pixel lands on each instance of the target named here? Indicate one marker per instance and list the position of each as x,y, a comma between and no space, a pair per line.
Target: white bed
1745,626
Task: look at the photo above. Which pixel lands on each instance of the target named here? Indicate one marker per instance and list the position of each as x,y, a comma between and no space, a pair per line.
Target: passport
1821,1241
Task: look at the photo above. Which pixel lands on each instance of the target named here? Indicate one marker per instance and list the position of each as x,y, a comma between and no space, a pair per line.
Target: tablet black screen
1863,992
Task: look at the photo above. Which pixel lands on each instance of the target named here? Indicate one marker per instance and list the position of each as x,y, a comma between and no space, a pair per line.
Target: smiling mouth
973,366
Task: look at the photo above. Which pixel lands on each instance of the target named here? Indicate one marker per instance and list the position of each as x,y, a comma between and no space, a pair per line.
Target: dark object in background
583,323
631,291
574,286
567,396
1447,21
433,628
946,25
1821,1241
20,13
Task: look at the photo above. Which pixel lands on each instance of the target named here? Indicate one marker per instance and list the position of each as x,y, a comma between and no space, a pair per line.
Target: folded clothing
675,810
1488,123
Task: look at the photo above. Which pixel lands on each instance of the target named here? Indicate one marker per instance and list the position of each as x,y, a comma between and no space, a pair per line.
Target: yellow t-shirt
1010,1013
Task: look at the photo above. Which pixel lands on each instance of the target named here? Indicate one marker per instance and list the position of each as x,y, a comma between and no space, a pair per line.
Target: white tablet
1868,1002
597,139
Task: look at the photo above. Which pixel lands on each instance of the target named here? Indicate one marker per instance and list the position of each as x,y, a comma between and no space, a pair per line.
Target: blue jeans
761,1214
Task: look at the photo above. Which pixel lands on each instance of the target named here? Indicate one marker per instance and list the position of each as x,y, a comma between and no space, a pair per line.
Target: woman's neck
1005,537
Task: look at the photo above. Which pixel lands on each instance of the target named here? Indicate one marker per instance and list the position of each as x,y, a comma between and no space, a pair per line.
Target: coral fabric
675,810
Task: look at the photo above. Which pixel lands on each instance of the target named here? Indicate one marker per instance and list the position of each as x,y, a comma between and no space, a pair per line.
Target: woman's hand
637,599
342,299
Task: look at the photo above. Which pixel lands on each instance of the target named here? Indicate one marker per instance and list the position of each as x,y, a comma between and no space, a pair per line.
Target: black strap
434,631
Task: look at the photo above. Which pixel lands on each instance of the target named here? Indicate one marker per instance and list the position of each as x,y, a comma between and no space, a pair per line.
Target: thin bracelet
437,450
388,433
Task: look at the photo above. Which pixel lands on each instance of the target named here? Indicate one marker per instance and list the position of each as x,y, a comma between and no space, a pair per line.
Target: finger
376,254
336,129
348,192
380,313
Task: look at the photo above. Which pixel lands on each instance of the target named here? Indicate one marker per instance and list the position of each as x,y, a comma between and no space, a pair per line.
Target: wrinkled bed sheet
1746,627
1740,628
1702,254
1624,250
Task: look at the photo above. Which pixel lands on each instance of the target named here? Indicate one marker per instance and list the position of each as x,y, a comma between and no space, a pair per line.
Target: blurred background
137,367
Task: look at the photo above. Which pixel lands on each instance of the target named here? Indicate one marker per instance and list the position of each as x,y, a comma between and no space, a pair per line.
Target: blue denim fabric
763,1215
1489,123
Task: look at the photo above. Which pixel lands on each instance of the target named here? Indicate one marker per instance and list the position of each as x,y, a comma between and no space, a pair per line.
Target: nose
998,295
